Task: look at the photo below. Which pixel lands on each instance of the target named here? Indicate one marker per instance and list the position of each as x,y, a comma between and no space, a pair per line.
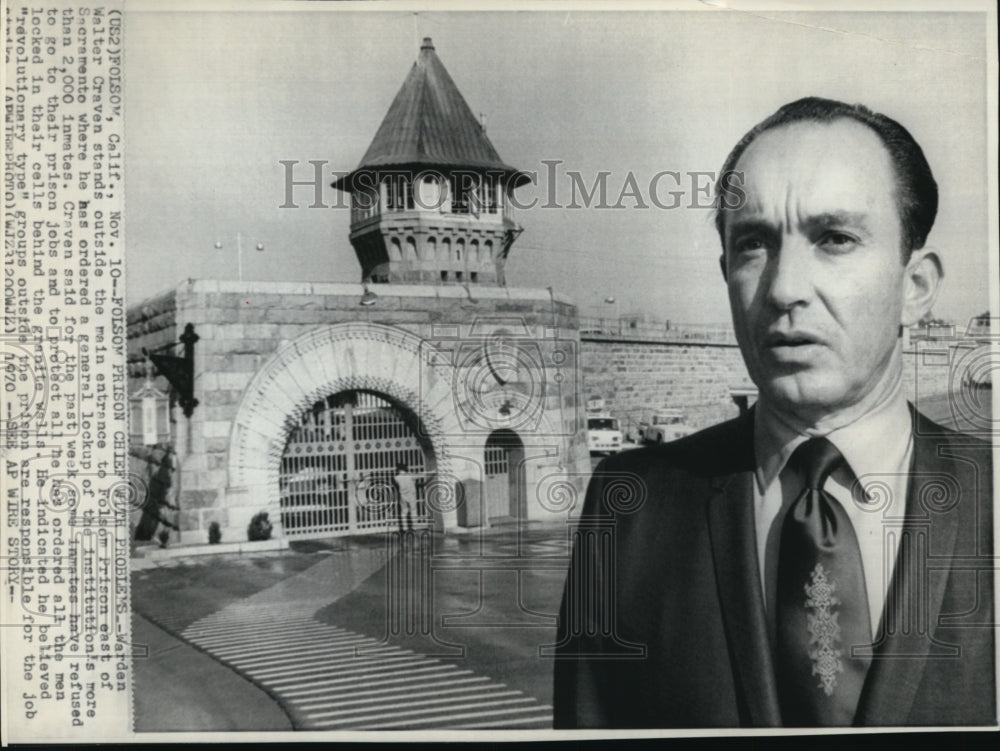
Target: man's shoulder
924,428
723,448
966,458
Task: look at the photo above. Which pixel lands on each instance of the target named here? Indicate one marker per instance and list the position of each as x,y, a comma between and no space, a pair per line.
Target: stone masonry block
195,463
241,363
216,412
260,330
235,331
257,314
234,381
219,398
216,461
281,315
216,429
222,315
217,445
207,382
298,302
189,522
194,499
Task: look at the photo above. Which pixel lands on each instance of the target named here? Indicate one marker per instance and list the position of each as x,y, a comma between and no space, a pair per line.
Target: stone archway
328,360
337,471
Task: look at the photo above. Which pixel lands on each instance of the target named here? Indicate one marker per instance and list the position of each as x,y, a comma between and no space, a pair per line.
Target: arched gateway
336,474
325,419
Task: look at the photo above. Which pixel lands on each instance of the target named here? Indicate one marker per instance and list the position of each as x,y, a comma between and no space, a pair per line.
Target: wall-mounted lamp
179,371
150,414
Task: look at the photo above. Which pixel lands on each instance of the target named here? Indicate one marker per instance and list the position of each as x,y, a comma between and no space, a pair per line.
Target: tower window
464,187
399,193
428,193
407,190
490,195
444,276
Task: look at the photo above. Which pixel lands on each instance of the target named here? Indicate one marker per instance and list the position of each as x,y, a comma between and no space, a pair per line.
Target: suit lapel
734,551
913,605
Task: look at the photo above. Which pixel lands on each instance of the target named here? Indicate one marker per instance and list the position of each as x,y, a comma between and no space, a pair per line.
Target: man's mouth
790,341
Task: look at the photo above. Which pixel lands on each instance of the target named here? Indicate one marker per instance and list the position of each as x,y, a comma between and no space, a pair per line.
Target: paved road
314,630
220,700
330,678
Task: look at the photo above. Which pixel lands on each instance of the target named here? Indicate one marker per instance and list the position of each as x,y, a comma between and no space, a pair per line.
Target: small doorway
506,496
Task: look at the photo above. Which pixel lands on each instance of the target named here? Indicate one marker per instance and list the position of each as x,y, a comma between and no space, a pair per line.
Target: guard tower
430,200
305,401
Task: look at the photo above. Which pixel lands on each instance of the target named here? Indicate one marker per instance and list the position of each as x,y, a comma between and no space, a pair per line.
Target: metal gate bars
336,472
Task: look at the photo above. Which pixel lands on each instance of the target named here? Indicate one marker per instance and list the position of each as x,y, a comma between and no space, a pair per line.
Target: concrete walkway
325,676
167,700
316,644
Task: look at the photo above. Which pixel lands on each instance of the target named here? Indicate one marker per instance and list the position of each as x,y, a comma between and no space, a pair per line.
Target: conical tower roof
429,124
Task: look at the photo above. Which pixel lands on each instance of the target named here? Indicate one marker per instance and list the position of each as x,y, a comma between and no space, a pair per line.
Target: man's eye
749,244
838,241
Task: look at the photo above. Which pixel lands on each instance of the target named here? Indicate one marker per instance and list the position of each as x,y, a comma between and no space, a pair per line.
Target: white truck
665,425
604,434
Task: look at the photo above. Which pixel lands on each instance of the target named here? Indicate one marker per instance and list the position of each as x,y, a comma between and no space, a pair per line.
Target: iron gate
336,472
497,469
503,459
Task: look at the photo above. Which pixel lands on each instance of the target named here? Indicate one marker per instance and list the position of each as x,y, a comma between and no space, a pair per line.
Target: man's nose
790,274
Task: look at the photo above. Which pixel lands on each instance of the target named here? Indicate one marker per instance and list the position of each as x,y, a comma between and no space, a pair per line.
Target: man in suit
825,559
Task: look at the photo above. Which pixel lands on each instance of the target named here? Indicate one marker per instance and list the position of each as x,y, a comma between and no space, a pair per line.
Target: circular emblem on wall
498,382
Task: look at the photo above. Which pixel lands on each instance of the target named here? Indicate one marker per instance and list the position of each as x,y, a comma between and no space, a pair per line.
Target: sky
216,100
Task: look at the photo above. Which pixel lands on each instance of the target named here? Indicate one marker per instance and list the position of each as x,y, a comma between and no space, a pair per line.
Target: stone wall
155,468
636,378
245,328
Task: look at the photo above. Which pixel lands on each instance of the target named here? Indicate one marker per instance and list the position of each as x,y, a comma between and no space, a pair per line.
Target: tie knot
817,458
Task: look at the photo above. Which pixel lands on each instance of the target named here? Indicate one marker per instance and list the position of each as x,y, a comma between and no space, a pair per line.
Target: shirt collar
874,444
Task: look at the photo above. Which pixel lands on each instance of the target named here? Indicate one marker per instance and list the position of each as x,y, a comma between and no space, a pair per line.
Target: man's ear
722,265
921,280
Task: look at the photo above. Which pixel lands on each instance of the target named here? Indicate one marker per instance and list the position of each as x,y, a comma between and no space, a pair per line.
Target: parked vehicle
663,426
604,434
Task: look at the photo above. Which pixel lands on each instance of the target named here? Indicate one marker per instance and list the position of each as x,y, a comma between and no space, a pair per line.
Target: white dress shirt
877,449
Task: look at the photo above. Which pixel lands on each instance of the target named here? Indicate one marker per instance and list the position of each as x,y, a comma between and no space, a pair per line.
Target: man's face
814,265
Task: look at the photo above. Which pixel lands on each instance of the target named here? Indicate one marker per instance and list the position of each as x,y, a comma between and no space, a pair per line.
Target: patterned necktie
822,604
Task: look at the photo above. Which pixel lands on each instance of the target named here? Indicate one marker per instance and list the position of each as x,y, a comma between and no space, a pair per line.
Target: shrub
214,533
259,528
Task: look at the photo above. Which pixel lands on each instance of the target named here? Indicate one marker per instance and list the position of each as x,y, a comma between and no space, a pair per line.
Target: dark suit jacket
663,624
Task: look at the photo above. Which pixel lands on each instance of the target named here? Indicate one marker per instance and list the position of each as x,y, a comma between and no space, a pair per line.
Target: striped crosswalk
328,677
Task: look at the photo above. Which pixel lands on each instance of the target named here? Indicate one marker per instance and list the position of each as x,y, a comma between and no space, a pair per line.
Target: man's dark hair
916,191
